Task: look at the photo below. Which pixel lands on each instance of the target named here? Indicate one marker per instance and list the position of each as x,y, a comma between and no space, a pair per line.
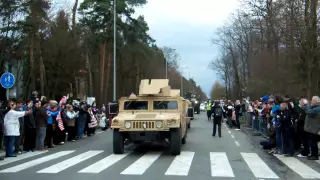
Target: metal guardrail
258,124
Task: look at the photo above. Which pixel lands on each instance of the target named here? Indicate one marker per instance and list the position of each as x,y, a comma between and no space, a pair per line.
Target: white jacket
11,123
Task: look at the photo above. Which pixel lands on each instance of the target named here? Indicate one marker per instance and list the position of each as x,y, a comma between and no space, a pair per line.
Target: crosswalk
219,163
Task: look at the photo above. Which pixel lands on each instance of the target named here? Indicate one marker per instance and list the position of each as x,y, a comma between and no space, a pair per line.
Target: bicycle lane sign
7,80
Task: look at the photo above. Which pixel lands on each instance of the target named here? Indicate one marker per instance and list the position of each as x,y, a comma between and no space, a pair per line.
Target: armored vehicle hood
147,116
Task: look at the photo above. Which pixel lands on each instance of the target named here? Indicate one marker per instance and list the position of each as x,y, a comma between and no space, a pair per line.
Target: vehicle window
170,105
135,105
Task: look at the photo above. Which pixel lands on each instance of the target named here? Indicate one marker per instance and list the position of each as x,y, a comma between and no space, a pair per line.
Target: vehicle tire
175,141
189,125
198,112
118,142
192,118
184,139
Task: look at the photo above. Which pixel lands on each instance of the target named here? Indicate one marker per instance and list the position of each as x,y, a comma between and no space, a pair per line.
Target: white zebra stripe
69,162
257,166
220,166
20,157
35,162
299,167
181,164
142,164
103,163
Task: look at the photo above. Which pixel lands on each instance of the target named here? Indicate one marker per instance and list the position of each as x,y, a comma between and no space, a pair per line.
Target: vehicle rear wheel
189,125
175,141
118,142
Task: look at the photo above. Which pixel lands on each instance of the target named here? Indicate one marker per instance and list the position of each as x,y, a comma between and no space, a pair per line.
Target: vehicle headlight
171,121
196,102
159,124
127,124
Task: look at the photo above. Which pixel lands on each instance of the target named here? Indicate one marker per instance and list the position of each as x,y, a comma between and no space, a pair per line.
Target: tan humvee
158,113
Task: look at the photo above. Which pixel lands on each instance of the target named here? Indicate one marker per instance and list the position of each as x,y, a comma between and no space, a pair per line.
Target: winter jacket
312,121
11,122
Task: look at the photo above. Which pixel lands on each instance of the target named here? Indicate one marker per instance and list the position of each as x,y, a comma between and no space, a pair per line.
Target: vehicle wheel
192,118
118,142
189,125
198,112
175,141
184,139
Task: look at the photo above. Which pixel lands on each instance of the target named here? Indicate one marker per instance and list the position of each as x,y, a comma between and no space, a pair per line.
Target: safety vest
209,107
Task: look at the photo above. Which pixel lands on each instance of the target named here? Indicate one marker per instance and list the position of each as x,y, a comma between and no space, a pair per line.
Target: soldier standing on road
209,112
217,113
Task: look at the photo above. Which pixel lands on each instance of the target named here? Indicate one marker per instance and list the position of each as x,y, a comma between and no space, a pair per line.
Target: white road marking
297,166
229,132
232,136
142,164
259,168
237,143
99,132
181,164
103,163
69,162
220,166
20,157
35,162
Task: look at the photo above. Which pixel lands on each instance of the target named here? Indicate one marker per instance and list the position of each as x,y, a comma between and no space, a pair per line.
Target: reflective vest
209,107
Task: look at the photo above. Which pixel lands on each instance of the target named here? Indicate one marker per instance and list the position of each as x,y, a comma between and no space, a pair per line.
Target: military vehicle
157,113
194,100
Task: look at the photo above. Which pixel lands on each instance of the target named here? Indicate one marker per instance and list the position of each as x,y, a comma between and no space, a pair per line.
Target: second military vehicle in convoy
194,101
157,113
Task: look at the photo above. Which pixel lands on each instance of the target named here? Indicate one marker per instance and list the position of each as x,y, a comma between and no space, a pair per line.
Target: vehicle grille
139,124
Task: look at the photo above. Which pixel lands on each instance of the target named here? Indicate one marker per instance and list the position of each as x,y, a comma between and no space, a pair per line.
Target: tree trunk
90,73
137,79
102,66
108,73
74,13
41,68
31,52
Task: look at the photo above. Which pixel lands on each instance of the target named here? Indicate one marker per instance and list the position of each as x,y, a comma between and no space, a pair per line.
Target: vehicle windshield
169,105
135,105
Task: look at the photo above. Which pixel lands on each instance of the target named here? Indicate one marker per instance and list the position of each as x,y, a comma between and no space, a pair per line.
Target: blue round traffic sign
7,80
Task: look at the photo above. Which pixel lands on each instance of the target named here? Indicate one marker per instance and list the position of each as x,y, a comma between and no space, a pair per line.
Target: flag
60,123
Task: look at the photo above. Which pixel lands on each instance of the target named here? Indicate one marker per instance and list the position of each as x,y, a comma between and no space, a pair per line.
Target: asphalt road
204,157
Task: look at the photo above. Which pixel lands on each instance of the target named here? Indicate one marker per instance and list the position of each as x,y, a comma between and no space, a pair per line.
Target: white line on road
232,136
229,132
298,167
259,168
103,163
220,166
69,162
237,143
20,157
35,162
99,132
181,164
142,164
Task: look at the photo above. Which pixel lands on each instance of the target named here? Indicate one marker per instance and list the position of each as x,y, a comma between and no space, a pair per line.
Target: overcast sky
187,26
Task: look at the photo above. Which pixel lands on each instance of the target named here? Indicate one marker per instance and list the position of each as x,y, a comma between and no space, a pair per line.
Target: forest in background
269,47
59,52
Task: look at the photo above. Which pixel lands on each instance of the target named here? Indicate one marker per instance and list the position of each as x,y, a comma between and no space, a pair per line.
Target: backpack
218,112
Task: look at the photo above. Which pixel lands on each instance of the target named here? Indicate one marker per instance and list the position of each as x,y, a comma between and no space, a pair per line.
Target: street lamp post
114,49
